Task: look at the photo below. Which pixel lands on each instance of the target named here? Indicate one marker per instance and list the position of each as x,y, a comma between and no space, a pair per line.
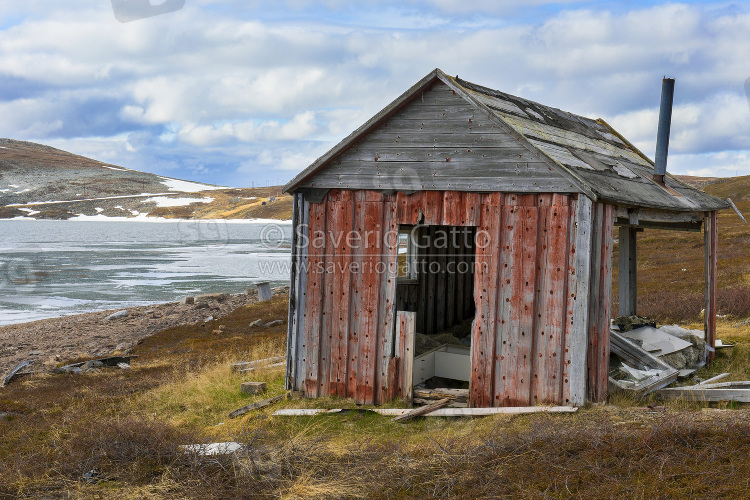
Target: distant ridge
42,182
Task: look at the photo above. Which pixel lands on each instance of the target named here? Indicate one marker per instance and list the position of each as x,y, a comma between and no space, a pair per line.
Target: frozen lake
56,268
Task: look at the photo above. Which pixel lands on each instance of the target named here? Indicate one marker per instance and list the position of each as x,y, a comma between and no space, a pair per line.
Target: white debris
655,341
213,448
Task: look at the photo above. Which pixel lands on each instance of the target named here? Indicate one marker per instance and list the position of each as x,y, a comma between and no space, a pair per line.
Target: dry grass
129,425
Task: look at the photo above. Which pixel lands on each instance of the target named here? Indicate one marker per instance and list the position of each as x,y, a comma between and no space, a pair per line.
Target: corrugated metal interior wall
524,290
442,293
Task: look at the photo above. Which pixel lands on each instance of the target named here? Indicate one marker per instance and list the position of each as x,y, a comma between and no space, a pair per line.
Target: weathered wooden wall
600,302
525,290
440,141
443,292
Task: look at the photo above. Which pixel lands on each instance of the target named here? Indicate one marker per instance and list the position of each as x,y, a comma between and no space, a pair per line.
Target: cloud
237,89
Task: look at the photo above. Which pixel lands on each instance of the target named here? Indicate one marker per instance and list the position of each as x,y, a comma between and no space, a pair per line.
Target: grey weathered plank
424,410
477,184
579,334
703,394
628,271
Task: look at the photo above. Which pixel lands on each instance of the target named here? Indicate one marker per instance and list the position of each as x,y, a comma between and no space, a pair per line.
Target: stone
628,323
210,318
117,315
253,387
212,296
92,365
276,322
257,323
201,305
36,353
188,300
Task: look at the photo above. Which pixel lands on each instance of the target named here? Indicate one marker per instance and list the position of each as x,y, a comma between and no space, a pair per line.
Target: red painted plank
327,298
357,300
485,325
433,207
342,220
508,307
371,250
472,209
554,296
313,316
386,295
539,342
526,320
570,294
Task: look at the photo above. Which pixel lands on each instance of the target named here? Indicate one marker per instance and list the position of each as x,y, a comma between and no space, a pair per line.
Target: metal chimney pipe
665,122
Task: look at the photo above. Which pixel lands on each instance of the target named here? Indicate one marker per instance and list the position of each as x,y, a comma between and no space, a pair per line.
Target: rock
36,353
188,300
121,347
276,322
222,327
91,365
201,305
212,296
257,323
217,332
628,323
210,318
5,416
117,315
253,387
91,477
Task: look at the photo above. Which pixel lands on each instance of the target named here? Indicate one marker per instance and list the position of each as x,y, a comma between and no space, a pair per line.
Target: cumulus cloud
236,89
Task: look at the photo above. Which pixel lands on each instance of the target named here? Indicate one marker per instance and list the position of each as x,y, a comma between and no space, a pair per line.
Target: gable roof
588,153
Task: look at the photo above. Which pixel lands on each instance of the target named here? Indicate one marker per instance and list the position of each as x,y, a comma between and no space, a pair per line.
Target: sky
248,93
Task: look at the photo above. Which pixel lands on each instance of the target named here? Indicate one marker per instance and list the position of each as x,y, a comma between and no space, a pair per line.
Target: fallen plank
256,406
714,379
704,394
442,412
15,372
634,356
459,395
249,365
422,410
252,368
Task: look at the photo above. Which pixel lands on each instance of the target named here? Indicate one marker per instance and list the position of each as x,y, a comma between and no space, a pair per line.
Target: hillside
46,183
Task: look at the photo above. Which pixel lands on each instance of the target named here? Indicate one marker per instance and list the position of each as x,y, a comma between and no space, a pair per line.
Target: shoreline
104,218
49,341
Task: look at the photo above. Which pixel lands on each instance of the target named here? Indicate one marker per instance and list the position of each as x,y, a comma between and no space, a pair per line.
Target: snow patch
99,210
187,186
29,211
176,202
115,168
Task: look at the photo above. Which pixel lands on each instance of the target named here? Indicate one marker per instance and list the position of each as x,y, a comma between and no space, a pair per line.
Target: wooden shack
457,201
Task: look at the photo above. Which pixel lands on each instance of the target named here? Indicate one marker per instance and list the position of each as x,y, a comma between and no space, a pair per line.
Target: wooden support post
580,333
711,238
628,271
406,327
264,291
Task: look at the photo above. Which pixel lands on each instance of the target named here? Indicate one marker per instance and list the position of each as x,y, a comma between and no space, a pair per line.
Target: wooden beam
628,275
704,394
423,410
711,238
406,324
579,336
442,412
